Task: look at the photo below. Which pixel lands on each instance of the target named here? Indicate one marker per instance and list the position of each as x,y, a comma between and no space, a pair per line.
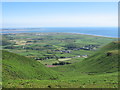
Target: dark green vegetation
99,69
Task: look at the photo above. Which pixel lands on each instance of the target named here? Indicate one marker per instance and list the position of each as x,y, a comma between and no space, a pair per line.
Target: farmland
54,46
59,60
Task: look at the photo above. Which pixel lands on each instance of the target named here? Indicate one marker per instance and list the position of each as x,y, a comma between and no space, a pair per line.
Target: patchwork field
59,60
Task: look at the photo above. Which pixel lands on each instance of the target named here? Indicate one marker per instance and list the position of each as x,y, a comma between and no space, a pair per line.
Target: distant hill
19,67
104,61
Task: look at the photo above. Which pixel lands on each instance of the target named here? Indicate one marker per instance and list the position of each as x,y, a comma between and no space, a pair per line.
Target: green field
47,46
93,61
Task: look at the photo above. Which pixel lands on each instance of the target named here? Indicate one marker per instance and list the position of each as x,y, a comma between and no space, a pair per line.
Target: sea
98,31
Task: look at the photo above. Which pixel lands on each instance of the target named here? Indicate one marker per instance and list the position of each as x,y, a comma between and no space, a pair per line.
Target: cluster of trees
71,46
3,43
6,41
9,47
75,46
44,57
90,47
61,63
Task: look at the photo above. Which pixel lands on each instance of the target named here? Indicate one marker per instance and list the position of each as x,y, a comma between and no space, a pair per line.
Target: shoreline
62,32
95,35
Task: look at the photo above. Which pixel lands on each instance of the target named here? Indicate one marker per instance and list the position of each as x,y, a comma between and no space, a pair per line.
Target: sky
59,14
60,0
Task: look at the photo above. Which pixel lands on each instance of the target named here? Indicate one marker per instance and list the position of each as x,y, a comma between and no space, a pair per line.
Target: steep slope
104,61
19,67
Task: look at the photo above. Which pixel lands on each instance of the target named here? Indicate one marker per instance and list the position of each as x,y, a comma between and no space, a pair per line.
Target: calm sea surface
108,32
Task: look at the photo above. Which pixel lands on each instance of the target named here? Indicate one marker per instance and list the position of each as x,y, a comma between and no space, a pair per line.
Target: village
51,48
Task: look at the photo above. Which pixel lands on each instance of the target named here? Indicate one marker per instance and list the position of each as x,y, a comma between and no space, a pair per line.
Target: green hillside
104,61
19,67
97,71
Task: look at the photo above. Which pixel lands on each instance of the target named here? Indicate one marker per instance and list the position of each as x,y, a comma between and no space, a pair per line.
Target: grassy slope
98,63
76,75
83,81
19,67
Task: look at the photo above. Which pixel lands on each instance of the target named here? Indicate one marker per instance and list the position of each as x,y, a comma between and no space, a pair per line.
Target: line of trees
61,63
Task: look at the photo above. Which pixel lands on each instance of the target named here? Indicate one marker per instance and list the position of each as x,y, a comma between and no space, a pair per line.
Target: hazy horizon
59,14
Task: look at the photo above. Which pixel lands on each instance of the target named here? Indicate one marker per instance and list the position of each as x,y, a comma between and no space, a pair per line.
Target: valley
59,60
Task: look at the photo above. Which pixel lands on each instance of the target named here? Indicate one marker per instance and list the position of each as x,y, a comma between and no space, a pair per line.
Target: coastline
109,32
64,32
96,35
